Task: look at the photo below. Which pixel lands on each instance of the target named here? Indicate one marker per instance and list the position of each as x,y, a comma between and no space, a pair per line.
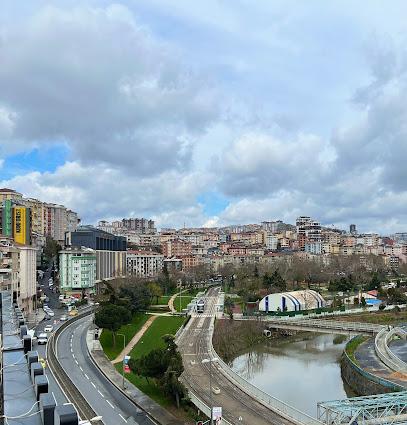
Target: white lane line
94,386
110,404
80,367
86,376
101,394
125,420
76,361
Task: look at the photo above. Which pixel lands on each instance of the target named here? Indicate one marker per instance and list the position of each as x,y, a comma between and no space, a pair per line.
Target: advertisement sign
217,415
19,225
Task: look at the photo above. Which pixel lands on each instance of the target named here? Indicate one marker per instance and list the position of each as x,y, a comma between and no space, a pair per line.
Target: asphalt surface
55,322
104,398
238,407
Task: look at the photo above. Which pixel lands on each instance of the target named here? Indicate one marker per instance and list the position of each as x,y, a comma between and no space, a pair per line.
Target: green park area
152,339
106,339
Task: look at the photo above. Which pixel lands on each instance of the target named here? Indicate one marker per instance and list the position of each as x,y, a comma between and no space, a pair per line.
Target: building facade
144,263
77,271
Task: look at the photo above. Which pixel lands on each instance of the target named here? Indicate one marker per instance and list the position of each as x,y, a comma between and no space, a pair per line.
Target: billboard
21,225
7,220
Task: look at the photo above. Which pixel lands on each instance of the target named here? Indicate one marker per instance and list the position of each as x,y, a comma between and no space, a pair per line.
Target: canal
300,370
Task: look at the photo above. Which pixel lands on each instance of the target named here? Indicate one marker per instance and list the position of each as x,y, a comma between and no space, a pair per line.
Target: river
300,370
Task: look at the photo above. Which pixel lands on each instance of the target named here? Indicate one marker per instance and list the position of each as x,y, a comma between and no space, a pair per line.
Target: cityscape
203,213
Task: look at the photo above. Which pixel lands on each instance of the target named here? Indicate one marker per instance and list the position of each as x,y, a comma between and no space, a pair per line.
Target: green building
77,271
7,218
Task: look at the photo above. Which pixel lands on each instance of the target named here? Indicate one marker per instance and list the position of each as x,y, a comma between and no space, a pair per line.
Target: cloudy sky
208,113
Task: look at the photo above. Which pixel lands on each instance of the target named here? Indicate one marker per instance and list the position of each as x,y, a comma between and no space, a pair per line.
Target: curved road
105,399
238,407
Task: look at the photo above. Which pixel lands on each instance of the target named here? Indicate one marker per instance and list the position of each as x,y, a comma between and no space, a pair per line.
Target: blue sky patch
213,202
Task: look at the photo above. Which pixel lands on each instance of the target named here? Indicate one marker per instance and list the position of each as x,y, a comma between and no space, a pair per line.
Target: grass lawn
353,344
152,338
185,300
163,299
106,339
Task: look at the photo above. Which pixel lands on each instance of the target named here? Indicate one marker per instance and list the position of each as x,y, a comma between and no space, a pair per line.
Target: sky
208,113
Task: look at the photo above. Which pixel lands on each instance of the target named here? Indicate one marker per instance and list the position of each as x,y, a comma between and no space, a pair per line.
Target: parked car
50,313
42,338
48,328
63,318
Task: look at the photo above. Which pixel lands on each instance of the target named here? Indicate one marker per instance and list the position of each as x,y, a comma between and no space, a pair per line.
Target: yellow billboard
20,225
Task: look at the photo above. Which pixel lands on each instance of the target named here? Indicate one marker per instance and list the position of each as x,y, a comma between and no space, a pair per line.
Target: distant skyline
209,113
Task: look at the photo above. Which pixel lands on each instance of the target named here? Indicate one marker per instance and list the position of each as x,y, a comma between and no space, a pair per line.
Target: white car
42,338
63,318
50,313
61,297
48,328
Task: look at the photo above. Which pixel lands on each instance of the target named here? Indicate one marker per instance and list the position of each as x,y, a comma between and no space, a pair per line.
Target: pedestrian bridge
318,325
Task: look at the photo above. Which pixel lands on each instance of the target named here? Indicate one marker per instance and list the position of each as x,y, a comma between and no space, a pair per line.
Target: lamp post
210,361
124,346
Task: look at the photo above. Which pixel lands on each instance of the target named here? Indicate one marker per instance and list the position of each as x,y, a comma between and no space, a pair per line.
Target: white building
313,247
271,242
28,276
144,263
292,301
77,271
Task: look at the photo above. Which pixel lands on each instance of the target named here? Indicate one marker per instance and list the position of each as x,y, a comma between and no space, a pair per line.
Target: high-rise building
308,230
144,263
352,229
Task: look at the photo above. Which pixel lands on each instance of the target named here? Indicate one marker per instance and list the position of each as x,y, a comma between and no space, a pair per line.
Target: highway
104,398
238,407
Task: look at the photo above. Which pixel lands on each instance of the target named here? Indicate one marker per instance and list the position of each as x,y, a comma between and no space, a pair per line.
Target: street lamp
210,361
124,346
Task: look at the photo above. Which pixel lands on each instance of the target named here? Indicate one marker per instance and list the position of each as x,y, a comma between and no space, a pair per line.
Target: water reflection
300,370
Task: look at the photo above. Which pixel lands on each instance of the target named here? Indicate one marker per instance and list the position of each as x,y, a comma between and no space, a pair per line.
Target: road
238,407
104,398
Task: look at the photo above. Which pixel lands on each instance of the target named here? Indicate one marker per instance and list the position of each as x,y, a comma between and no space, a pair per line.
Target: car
42,338
63,318
61,297
50,313
48,328
73,312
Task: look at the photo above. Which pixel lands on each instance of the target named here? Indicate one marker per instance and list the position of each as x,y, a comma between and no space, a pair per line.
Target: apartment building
176,248
10,194
144,263
77,271
18,272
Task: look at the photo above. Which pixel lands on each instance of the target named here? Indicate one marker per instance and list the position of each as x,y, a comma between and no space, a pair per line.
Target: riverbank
232,337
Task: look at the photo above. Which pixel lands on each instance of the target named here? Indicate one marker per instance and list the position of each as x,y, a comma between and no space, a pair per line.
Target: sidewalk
134,340
172,299
34,319
158,413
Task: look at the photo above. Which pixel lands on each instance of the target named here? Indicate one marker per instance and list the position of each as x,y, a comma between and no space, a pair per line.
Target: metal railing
324,324
203,407
278,406
385,354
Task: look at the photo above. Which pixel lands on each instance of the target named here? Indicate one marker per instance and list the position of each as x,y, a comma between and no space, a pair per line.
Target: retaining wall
363,382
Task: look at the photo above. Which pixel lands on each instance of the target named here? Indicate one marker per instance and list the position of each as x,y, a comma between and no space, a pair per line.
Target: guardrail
385,354
327,324
85,411
204,408
278,406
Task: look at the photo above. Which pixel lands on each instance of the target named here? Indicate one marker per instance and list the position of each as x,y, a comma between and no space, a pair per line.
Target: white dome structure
292,301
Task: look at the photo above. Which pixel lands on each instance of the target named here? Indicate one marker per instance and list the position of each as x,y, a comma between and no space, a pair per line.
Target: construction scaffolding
380,409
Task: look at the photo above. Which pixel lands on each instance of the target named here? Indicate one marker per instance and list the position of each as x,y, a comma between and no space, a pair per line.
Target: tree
112,317
374,282
164,365
155,291
51,249
139,297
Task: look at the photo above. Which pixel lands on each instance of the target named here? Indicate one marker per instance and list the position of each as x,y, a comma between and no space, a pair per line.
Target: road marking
76,361
101,394
94,386
80,367
110,404
125,420
86,376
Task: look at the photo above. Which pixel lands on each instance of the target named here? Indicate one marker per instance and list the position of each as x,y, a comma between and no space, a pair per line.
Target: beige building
10,194
144,263
28,277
